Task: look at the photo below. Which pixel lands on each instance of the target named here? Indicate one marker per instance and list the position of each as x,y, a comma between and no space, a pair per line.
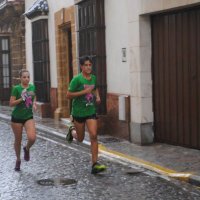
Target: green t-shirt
23,110
84,105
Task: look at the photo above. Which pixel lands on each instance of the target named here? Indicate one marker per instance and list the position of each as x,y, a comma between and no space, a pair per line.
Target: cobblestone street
51,160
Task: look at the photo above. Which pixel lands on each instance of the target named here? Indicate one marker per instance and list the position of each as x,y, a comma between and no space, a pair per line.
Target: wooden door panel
176,77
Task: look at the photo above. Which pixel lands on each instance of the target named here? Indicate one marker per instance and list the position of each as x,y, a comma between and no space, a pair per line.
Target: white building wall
127,26
118,78
54,6
150,6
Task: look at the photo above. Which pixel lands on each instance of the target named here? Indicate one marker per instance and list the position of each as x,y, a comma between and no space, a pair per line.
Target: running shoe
97,168
17,165
26,154
69,136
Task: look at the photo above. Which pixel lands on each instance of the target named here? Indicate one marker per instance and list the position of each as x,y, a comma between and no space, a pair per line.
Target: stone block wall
17,46
110,123
64,25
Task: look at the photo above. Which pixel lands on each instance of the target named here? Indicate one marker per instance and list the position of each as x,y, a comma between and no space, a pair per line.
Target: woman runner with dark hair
84,92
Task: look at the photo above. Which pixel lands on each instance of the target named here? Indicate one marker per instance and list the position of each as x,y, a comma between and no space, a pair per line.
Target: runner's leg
79,133
92,128
31,132
17,130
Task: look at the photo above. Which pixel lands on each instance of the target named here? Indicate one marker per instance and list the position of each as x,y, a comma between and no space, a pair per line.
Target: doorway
176,77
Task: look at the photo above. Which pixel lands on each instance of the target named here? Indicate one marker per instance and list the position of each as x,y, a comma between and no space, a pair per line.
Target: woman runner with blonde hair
23,100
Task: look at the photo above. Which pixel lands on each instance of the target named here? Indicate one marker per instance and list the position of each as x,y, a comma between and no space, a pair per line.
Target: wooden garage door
176,77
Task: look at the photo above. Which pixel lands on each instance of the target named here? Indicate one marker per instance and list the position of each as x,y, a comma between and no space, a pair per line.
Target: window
5,79
5,65
92,41
87,28
40,42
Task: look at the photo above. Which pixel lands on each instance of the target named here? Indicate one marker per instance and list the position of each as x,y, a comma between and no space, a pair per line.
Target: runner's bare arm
98,99
34,104
71,95
14,102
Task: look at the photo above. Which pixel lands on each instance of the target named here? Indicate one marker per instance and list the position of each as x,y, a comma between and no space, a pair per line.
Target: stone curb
187,177
194,180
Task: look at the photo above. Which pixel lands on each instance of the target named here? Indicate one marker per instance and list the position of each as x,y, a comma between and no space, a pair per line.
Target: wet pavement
167,159
53,160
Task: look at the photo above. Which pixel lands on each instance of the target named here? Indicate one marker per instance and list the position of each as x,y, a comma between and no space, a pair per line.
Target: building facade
145,55
163,47
12,46
51,52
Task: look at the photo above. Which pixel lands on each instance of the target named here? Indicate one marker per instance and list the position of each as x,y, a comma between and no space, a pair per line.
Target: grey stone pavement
172,161
54,160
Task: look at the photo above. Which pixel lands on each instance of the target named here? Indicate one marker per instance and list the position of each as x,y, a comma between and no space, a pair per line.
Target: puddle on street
56,182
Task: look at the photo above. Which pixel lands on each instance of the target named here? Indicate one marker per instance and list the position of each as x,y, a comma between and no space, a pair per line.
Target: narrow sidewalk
172,161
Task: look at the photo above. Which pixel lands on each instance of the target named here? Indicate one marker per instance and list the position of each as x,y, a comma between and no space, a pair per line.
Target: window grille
40,41
91,36
5,69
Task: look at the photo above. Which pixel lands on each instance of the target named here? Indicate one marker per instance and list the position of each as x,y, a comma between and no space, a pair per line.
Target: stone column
141,131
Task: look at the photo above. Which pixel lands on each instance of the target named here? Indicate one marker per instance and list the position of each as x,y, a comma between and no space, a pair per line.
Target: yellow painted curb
146,164
181,176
